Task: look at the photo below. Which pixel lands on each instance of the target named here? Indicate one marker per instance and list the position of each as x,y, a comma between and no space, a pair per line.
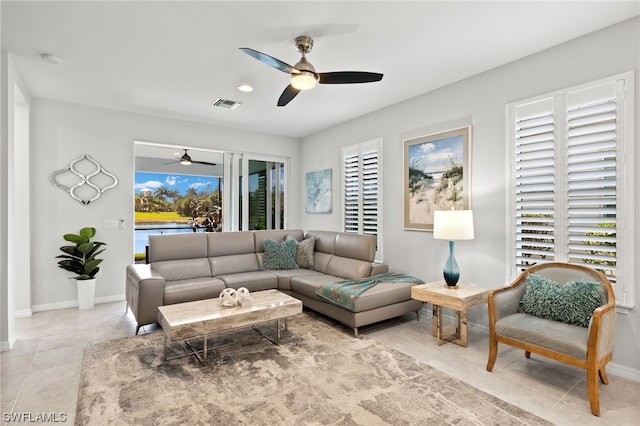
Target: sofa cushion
193,289
304,251
571,303
279,255
253,281
307,285
285,275
383,294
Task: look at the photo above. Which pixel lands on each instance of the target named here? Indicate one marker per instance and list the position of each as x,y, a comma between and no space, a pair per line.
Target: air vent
226,103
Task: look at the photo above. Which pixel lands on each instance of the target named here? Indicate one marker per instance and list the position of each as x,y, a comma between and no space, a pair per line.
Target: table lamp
452,225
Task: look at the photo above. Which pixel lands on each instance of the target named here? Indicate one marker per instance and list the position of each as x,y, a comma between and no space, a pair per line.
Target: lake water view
143,231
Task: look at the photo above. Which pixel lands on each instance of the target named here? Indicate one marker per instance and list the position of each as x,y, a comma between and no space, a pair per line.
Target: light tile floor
40,375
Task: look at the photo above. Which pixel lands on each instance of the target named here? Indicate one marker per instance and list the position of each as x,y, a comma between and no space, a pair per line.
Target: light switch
111,225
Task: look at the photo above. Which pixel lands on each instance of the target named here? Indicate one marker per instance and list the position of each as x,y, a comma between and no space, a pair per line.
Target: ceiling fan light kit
303,74
305,80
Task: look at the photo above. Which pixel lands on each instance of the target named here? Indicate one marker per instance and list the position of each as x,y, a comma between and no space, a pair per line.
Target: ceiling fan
186,160
304,75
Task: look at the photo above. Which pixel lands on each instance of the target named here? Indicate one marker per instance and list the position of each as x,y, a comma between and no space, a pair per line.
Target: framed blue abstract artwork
318,186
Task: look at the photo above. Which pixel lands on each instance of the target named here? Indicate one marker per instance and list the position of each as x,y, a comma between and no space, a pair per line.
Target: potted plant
81,260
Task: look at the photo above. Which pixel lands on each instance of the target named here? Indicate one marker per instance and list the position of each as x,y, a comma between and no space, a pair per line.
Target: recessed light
245,88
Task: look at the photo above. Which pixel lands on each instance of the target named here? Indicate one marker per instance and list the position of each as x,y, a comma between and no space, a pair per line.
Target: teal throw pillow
571,303
304,251
279,255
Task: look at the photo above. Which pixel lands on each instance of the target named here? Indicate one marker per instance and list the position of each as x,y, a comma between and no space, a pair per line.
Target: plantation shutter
362,190
592,178
370,190
535,191
572,194
351,190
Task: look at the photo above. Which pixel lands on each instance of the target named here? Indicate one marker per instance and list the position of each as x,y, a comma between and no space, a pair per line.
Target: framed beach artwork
318,186
437,171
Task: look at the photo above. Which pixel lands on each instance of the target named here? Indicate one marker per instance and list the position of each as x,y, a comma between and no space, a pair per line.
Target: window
362,190
571,179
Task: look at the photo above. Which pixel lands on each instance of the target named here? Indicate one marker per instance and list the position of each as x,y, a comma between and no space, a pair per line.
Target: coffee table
201,318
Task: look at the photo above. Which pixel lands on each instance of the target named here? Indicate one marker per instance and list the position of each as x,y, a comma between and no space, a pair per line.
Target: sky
181,183
435,156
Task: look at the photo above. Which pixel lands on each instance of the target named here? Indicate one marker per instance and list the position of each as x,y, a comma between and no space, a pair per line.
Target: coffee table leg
204,349
434,320
278,333
166,351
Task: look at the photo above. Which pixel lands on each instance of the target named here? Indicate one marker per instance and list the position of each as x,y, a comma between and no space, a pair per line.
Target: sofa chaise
195,266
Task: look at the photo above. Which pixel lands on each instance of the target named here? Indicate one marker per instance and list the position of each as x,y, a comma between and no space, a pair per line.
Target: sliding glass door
258,192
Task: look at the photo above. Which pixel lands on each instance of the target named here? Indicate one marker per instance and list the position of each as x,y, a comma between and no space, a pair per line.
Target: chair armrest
602,331
504,301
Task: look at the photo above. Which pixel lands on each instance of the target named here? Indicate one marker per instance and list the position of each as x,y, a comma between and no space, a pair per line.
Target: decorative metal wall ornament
85,191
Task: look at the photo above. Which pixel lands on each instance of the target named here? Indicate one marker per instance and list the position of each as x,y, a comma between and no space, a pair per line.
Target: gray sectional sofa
188,267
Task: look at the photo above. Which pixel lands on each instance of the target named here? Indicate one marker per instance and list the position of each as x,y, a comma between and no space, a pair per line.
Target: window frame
623,84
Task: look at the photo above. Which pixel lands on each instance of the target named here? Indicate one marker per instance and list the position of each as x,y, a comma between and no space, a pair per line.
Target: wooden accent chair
585,347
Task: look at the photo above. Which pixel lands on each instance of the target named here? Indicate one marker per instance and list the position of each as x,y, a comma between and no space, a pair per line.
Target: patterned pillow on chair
571,303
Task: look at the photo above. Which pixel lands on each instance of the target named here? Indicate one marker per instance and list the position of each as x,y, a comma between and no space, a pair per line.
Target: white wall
62,132
479,101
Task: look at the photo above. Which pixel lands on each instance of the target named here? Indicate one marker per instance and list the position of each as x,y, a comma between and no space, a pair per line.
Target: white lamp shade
453,225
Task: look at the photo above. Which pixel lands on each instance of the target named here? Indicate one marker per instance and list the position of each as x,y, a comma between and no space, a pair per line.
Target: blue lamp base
451,270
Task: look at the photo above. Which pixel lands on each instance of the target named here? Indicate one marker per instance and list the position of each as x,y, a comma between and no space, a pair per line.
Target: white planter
86,293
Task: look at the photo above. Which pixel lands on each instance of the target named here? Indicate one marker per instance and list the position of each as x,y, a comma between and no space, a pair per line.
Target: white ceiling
173,59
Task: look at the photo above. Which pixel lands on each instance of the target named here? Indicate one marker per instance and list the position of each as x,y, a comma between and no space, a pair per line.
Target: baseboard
4,346
21,313
614,369
74,303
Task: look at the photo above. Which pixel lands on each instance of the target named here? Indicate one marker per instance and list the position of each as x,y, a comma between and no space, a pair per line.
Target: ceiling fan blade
203,162
269,60
171,162
289,93
348,77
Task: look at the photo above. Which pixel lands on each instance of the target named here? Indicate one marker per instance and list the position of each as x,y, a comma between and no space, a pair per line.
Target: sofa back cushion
233,264
343,254
348,268
325,241
183,269
177,246
228,243
356,246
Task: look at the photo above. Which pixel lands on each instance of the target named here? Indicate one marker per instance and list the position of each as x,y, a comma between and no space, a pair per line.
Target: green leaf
87,233
77,239
90,265
85,248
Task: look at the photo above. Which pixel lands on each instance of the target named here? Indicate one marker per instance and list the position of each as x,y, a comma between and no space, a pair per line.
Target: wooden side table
460,299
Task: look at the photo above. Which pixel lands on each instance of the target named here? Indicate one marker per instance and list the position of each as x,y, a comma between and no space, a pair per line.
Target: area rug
318,375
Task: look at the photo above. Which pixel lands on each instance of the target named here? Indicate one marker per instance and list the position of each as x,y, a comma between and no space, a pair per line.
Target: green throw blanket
345,293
